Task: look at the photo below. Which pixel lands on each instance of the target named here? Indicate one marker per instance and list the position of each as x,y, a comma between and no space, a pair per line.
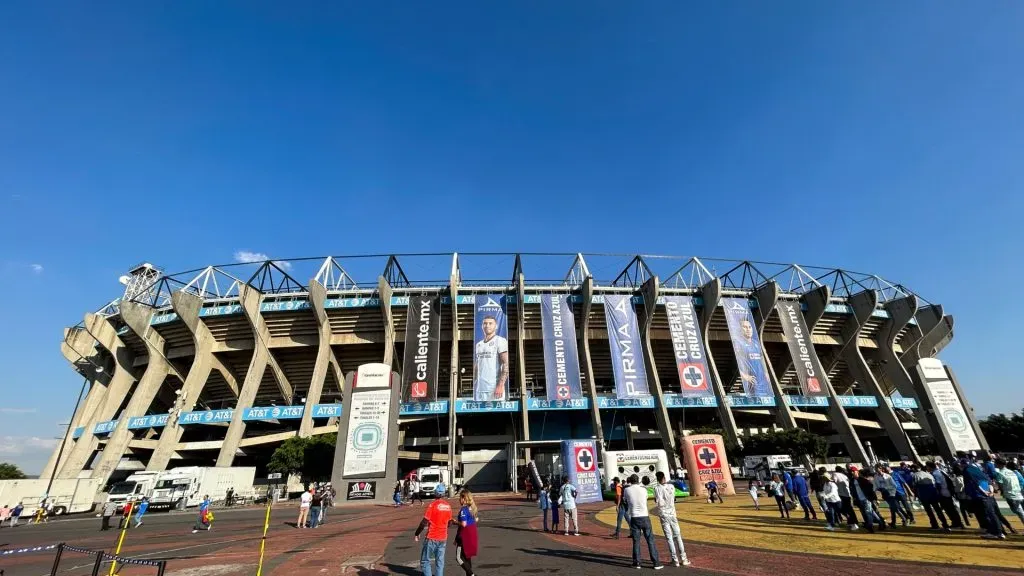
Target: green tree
311,458
9,471
796,443
289,456
1004,433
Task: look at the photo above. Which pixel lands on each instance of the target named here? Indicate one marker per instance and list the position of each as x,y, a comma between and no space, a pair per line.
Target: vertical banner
561,359
490,348
746,345
947,405
706,460
580,457
688,346
805,359
624,339
422,349
366,448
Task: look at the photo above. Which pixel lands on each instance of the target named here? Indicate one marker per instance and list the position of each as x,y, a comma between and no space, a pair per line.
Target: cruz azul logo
584,459
693,375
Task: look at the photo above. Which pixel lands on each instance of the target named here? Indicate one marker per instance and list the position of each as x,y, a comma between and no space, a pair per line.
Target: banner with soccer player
746,345
422,349
798,337
561,360
490,348
624,340
580,457
688,347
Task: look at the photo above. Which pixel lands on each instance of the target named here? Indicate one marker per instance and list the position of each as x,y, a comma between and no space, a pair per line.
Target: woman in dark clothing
553,494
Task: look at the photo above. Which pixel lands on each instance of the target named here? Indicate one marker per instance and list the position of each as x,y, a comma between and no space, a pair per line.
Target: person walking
305,501
1010,487
665,501
904,479
640,522
435,521
397,496
205,519
16,513
815,484
778,489
752,489
414,491
316,504
544,503
5,513
787,480
109,509
555,512
979,489
959,491
621,510
842,482
833,502
567,500
885,485
466,543
946,491
802,492
928,495
141,511
529,489
862,488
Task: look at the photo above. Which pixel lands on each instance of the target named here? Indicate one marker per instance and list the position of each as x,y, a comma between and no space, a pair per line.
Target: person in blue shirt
979,490
141,510
904,481
203,522
750,360
787,479
802,493
544,503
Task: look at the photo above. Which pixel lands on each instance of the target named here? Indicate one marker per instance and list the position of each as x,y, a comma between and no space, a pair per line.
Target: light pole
53,473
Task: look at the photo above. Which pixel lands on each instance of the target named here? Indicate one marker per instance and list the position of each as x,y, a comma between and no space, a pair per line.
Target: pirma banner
624,339
422,349
561,360
490,348
798,337
688,347
580,457
746,345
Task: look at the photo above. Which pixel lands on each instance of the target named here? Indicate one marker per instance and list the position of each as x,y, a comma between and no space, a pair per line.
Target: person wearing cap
830,496
802,492
842,482
436,519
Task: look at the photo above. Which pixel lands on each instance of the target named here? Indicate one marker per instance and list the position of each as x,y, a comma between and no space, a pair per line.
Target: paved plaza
373,540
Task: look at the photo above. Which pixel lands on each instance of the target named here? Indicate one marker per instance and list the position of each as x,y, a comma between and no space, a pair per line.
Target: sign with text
798,338
580,458
561,358
688,347
545,404
467,406
947,405
706,460
366,447
624,340
422,349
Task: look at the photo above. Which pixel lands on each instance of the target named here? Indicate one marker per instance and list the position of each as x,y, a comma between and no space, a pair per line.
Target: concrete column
324,356
767,296
587,293
384,295
250,299
864,304
711,295
816,301
900,310
649,290
121,382
137,318
187,307
524,411
453,375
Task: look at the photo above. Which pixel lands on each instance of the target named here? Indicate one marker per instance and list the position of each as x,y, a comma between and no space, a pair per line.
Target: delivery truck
184,487
136,487
68,495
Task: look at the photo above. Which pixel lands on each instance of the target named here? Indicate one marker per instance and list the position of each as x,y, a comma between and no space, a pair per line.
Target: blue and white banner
580,458
468,406
680,401
624,340
150,421
561,359
105,427
272,413
327,410
688,347
742,401
858,401
206,416
414,408
806,401
903,403
615,403
545,404
746,345
490,348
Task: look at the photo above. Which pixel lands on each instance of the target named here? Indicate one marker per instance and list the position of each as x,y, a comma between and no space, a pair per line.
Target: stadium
220,365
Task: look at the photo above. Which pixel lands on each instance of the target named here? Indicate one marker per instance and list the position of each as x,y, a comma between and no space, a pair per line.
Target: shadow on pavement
580,555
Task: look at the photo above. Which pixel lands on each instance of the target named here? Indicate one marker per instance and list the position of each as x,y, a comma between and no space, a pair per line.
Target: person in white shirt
640,522
830,495
567,500
885,485
665,500
304,502
842,482
490,368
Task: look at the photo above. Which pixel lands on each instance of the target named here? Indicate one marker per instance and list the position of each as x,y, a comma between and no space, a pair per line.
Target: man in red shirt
436,520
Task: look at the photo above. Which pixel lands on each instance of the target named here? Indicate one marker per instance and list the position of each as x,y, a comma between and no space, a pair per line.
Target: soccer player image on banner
747,347
490,348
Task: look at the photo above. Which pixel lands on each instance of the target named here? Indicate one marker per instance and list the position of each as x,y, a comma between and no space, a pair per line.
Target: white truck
430,476
762,466
184,487
68,496
135,487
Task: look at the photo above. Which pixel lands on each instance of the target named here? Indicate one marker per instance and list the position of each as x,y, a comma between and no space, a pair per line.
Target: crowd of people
313,505
949,494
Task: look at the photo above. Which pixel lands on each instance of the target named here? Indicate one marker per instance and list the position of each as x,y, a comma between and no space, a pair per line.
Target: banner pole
120,539
56,559
98,564
266,524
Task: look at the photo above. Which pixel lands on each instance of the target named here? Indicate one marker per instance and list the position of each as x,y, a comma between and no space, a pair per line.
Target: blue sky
876,138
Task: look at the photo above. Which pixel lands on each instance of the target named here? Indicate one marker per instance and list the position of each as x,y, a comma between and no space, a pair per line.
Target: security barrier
101,557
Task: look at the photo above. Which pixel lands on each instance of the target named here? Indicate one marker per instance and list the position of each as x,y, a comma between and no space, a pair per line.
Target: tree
311,458
795,443
1004,433
289,456
9,471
